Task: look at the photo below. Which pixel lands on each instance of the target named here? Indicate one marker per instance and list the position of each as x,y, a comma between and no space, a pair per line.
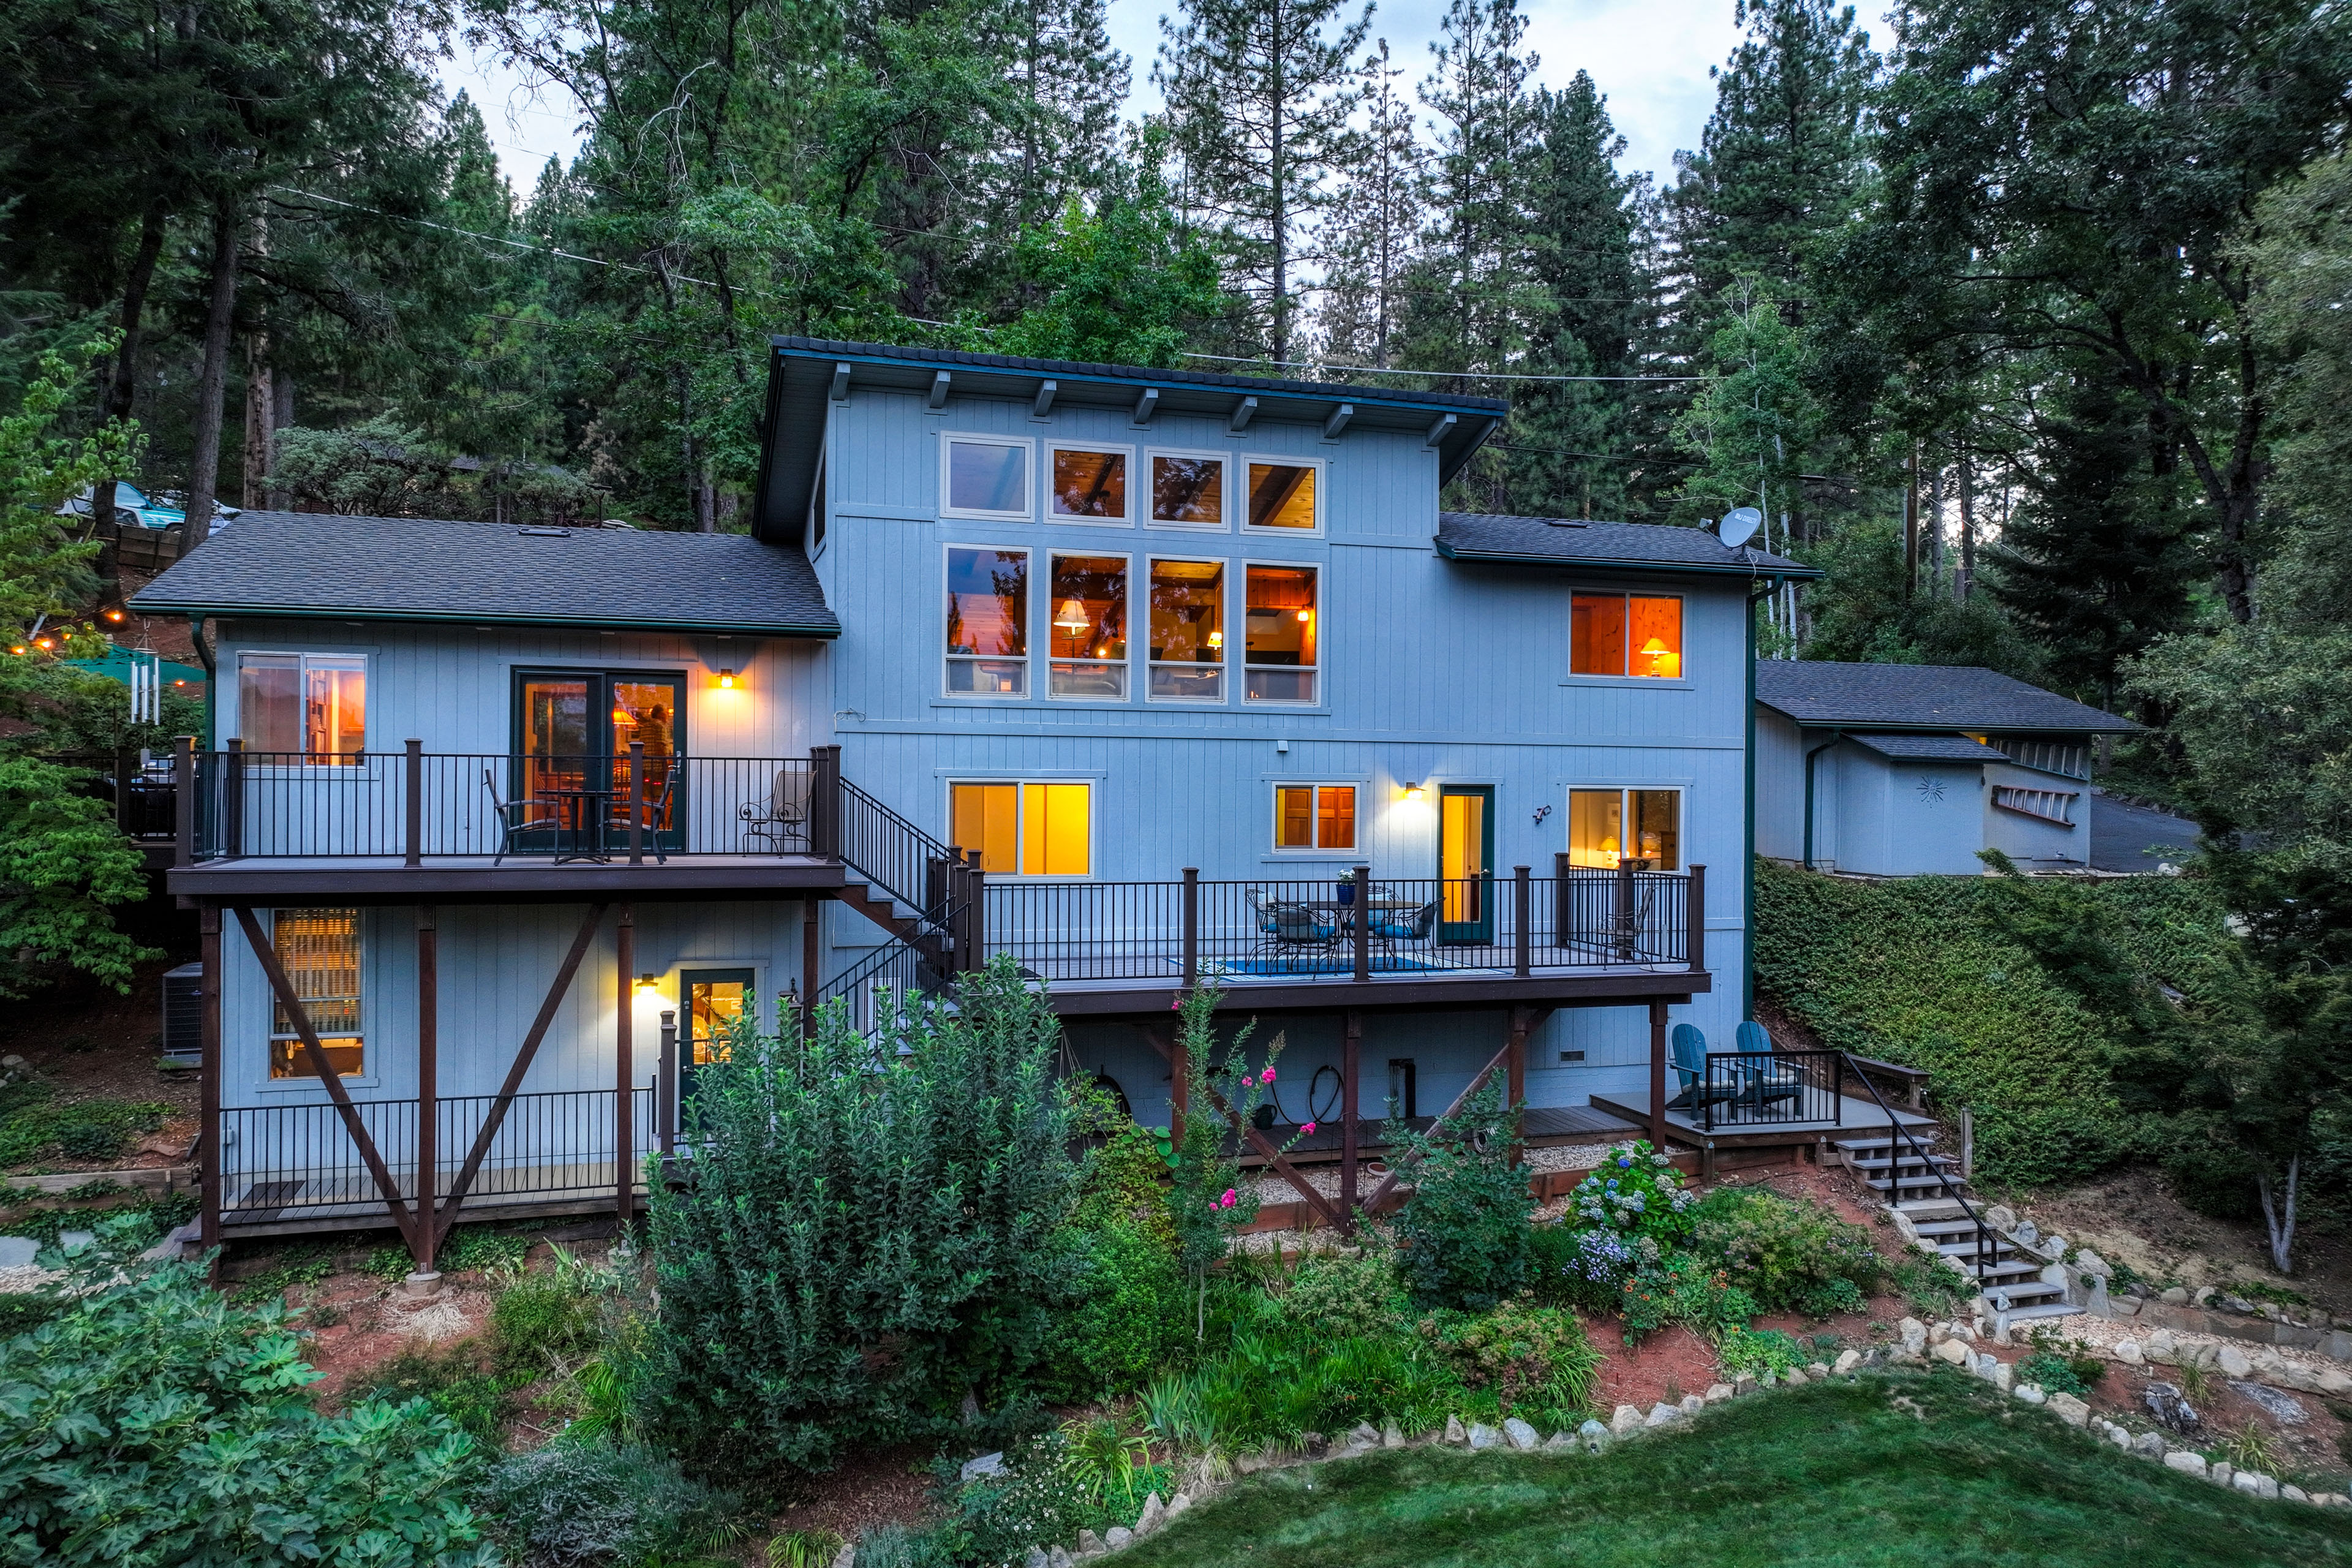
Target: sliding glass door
570,772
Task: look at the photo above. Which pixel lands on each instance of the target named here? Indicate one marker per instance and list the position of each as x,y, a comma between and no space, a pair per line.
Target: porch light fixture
1305,614
648,986
1071,618
1414,792
726,680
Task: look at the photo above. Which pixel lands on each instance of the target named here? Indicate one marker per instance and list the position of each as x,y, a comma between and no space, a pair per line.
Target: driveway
2137,837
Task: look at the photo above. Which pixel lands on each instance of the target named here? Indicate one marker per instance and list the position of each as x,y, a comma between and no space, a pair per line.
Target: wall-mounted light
1305,614
1414,792
648,986
726,680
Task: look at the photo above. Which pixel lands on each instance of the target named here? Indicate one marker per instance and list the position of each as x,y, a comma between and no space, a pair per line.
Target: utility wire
1465,375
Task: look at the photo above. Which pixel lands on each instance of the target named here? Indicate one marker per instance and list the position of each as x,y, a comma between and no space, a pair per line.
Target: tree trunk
1965,582
204,465
260,421
2279,1218
122,384
281,417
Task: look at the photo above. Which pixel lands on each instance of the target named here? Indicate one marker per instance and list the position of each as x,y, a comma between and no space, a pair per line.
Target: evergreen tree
1480,96
1373,225
1259,94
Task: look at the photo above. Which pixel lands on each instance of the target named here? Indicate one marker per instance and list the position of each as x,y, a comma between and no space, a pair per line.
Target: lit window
1281,495
987,478
1188,491
988,622
1188,630
319,951
303,707
1088,644
1315,816
1598,838
1280,655
1625,634
1088,484
1024,829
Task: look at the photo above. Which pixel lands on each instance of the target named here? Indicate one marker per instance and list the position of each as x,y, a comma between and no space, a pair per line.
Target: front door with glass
570,773
715,999
1466,860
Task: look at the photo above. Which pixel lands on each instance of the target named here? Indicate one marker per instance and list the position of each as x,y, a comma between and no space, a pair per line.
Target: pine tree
1373,225
1259,95
1486,109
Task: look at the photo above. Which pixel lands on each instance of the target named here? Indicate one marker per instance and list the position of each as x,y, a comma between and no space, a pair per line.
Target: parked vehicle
135,507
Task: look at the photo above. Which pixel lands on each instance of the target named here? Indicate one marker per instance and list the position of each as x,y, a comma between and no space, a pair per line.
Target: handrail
1987,1245
885,848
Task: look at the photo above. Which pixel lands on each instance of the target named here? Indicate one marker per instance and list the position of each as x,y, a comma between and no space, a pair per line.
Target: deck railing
298,1160
1764,1088
141,792
418,806
1327,929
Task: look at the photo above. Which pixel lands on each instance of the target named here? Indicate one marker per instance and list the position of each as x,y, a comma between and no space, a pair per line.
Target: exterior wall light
726,680
648,986
1414,792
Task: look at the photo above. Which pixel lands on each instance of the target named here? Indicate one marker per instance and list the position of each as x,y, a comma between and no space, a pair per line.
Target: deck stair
1927,1189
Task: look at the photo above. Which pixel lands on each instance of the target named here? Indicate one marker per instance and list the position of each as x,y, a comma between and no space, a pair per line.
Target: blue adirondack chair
1687,1048
1767,1083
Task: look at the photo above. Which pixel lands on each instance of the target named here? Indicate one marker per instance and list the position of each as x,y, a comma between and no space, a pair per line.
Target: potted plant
1346,887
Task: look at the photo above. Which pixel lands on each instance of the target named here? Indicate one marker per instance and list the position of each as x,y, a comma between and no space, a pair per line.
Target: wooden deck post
1658,1073
666,1086
231,831
426,1240
1350,1071
1563,912
624,1154
1515,1071
411,830
1179,1082
208,1172
636,793
1191,926
976,889
1363,923
1623,917
1523,910
812,962
1697,913
183,819
825,801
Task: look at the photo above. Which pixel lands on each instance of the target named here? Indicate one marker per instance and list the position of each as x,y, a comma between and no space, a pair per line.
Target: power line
1465,375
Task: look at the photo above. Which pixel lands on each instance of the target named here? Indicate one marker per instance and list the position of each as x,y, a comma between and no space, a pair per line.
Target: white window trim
1127,566
1652,682
949,440
295,1082
1097,448
1020,826
1225,666
1320,667
1311,852
1682,793
1224,524
365,658
1028,661
1277,460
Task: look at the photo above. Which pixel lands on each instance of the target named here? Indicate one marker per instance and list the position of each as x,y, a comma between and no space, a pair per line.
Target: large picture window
1188,490
988,622
1283,631
1625,634
319,951
986,475
1607,828
1188,631
1089,485
1315,816
1024,829
1282,495
303,707
1088,651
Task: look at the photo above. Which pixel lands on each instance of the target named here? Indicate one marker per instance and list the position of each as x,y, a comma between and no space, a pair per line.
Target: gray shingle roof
306,564
1929,748
1626,546
1921,696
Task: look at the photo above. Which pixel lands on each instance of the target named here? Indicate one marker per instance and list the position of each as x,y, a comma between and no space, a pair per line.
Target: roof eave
475,618
1794,574
1900,726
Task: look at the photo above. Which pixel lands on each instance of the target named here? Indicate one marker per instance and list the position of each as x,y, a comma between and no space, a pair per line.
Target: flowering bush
1792,1255
1535,1361
1633,1193
1680,1288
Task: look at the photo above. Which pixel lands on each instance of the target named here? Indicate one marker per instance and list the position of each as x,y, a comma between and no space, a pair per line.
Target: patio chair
1288,929
1688,1055
657,813
513,816
1767,1081
1391,927
784,816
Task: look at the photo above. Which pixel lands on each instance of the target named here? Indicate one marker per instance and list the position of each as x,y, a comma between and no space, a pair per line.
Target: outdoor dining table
578,830
1345,911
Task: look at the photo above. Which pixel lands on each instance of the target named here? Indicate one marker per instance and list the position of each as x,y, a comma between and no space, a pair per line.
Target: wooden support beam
1396,1165
1437,432
840,392
299,1016
1145,405
812,963
1339,421
625,1068
1045,404
1243,412
428,1078
1180,1081
1514,1044
208,1171
1350,1077
1658,1073
523,1058
939,397
1272,1156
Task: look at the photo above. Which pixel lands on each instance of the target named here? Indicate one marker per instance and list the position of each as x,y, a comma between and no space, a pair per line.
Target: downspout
1747,858
1810,757
212,677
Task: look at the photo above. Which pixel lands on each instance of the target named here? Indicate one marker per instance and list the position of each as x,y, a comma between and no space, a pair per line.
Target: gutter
197,613
1612,563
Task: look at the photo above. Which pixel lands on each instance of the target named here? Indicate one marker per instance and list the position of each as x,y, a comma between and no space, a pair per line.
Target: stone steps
1923,1186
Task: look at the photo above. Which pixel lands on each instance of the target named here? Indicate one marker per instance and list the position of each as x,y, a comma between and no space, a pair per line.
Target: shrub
873,1230
1791,1255
154,1421
1680,1288
1133,1310
1465,1229
1752,1353
1635,1192
32,1124
1535,1361
570,1505
543,1320
455,1380
2061,1367
1934,1289
1338,1298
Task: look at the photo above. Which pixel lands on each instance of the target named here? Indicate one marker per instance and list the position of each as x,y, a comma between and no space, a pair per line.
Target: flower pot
1346,894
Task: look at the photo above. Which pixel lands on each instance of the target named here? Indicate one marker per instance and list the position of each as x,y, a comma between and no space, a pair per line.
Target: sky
1650,57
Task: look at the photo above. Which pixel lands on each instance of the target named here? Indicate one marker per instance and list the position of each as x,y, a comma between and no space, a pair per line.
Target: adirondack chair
1688,1055
1767,1081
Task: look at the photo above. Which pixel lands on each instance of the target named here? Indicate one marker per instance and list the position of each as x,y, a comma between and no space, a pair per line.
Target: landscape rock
2175,1297
1663,1415
1036,1559
1914,1334
1454,1432
2027,1232
1178,1503
2294,1493
847,1556
2233,1361
1796,1377
2128,1353
2162,1346
1628,1418
1848,1360
1154,1515
2255,1482
1954,1352
1056,1558
2000,1377
2187,1463
2089,1262
1716,1392
2220,1474
1693,1404
1117,1536
2031,1393
1391,1437
1251,1464
1088,1541
2148,1446
2001,1217
1524,1437
1560,1443
2205,1293
1744,1384
1594,1436
2118,1436
2285,1408
2069,1409
986,1465
1483,1437
1817,1369
2165,1404
1364,1433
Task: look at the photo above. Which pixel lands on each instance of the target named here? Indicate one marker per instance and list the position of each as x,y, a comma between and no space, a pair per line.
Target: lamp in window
1663,659
1216,639
1071,618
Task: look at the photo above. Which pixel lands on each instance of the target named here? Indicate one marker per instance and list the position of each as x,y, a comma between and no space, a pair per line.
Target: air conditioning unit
184,1015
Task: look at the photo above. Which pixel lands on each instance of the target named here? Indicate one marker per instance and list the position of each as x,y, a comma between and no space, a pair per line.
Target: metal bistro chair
1392,928
1288,930
785,814
1687,1049
533,812
657,812
1764,1081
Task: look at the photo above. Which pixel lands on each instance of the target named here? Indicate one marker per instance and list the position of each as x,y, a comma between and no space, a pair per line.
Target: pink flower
1227,1202
1307,1128
1268,1077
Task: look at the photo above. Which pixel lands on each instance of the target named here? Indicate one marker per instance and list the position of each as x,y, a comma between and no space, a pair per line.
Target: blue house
1135,676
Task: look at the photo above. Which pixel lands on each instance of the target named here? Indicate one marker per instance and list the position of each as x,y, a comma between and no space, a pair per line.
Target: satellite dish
1738,526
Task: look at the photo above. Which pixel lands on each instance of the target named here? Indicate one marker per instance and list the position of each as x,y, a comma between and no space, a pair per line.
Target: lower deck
1735,1127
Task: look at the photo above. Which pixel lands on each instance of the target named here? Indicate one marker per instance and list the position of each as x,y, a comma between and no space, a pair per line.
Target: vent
545,533
1571,1055
1564,522
184,1015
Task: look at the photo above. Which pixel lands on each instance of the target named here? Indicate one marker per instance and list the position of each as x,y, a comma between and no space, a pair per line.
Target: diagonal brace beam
317,1053
523,1058
1274,1157
1397,1168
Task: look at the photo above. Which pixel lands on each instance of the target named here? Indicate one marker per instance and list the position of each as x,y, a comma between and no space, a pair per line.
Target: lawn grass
1836,1474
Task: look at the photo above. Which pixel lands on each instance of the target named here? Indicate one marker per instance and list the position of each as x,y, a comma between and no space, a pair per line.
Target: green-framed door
1466,863
713,999
572,731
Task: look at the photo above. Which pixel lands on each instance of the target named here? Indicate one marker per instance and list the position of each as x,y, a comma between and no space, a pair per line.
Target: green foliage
2061,1373
803,1549
874,1229
547,1319
584,1505
382,467
1752,1353
477,1248
1634,1192
34,1125
1934,1288
1534,1360
1681,1289
1208,1201
64,865
298,1265
1123,284
1790,1255
1333,1296
1462,1233
458,1381
41,571
1933,971
1130,1316
152,1422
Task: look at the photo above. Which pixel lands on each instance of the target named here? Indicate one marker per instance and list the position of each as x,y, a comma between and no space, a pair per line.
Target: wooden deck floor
1855,1117
1541,1126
